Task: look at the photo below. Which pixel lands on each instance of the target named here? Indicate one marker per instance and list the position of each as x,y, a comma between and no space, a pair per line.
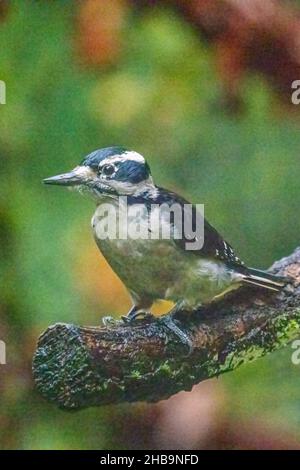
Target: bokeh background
203,90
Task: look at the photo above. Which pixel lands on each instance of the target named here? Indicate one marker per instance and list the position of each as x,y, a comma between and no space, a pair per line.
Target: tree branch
76,367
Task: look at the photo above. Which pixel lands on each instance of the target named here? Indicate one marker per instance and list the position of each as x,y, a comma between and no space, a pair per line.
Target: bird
156,268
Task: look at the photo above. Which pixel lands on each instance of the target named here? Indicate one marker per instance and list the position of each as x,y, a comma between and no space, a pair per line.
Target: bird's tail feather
263,279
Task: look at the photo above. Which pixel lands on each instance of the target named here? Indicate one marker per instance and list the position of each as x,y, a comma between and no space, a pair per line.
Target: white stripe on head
134,156
126,156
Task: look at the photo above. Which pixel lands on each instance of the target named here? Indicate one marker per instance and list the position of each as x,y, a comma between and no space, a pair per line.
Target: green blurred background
151,84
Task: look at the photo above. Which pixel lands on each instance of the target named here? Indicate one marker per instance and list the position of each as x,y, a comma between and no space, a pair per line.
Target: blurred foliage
162,98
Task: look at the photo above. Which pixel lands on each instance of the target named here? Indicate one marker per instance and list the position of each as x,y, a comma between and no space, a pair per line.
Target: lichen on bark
76,366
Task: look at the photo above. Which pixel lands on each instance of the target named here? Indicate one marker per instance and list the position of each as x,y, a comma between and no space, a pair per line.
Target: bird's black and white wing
213,245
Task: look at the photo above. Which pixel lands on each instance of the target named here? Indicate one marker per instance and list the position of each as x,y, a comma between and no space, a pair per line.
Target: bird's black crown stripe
94,158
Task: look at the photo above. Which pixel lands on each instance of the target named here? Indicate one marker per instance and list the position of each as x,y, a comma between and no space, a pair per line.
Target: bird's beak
73,178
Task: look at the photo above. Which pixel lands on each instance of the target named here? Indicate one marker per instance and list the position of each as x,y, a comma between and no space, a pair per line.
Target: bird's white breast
155,266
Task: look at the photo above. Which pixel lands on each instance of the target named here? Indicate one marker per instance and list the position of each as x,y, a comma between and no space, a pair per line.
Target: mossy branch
76,367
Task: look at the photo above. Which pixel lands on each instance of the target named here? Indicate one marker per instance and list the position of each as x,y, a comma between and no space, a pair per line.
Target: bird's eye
108,170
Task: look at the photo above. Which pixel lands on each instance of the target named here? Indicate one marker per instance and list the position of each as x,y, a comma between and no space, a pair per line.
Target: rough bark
76,367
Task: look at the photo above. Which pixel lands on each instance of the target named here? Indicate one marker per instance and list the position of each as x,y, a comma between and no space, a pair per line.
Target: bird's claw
127,319
138,316
110,321
169,322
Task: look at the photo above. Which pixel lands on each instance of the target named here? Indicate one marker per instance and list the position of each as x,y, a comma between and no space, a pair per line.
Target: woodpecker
156,268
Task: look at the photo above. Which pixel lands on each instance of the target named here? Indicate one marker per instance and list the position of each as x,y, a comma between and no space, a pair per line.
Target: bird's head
111,171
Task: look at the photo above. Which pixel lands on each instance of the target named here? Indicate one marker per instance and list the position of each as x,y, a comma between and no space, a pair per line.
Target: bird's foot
133,315
137,316
110,321
170,322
